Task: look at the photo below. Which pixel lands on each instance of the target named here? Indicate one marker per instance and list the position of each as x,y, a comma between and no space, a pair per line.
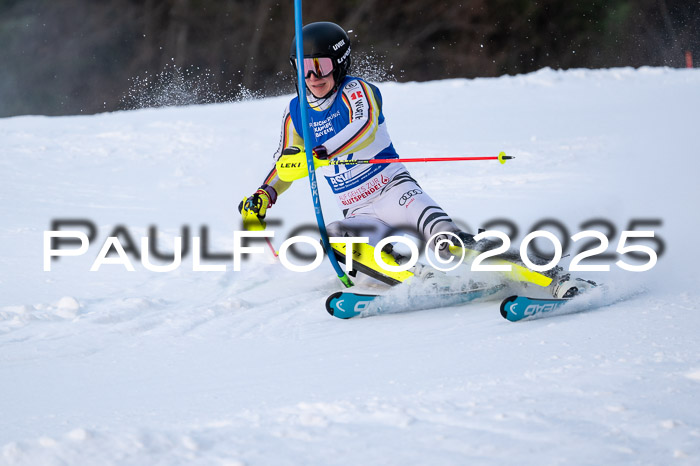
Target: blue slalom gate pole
301,85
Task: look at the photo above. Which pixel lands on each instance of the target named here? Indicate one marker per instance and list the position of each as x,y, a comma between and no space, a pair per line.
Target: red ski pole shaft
502,157
431,159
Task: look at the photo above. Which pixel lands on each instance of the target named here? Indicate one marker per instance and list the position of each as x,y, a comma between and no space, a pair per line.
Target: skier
347,122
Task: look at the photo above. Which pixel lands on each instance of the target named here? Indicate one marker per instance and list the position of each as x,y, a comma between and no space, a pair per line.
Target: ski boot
566,287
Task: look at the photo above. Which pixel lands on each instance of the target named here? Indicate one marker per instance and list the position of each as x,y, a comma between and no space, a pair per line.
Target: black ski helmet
325,39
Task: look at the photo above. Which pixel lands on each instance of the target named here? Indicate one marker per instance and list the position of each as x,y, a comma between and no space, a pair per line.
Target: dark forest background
62,57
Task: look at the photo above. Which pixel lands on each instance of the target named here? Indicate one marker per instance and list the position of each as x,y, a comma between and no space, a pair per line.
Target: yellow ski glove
254,208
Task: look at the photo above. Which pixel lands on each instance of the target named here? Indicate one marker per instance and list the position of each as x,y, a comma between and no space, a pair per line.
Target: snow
234,368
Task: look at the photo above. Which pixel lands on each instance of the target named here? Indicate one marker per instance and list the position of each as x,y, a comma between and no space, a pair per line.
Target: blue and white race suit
377,199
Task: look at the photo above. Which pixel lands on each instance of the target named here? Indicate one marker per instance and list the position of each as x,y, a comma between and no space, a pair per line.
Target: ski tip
329,302
504,304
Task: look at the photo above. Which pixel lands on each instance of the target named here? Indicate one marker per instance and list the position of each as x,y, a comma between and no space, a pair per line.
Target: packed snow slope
186,367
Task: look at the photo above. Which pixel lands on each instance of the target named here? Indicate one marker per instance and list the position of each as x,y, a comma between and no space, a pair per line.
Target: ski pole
292,167
272,248
308,157
502,157
254,223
